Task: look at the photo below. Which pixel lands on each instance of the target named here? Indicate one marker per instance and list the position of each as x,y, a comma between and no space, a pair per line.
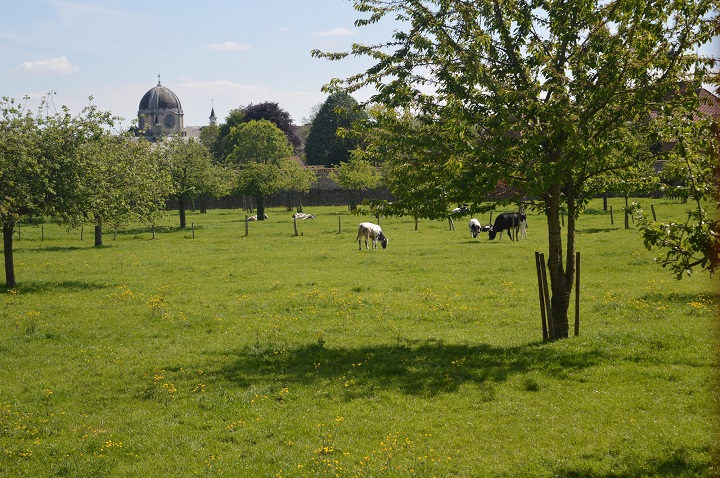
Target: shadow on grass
50,249
34,287
678,463
426,369
680,297
597,230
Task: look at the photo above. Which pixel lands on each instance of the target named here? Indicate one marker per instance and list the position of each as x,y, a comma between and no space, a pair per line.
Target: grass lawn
209,352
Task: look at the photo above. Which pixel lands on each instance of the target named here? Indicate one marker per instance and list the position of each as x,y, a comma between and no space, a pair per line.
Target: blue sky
221,53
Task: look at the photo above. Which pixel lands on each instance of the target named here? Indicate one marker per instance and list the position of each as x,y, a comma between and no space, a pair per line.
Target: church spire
213,118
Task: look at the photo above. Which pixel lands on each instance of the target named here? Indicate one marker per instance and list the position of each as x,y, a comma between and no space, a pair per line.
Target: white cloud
335,32
228,46
54,65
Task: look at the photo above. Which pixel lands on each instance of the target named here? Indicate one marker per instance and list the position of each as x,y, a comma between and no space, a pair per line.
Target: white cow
368,230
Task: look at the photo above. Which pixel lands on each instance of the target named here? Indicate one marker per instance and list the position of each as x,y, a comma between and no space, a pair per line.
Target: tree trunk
559,299
260,199
353,200
8,231
181,207
98,230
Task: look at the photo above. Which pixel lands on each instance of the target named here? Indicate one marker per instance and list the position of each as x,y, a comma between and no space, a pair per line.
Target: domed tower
160,112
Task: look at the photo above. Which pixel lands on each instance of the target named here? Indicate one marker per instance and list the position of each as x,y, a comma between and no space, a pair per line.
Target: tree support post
541,295
577,294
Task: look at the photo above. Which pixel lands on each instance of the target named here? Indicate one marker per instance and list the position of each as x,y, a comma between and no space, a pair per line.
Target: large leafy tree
324,146
258,148
542,96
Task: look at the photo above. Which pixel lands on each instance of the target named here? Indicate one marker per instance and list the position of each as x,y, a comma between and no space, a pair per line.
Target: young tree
191,171
356,175
295,179
257,150
324,146
543,96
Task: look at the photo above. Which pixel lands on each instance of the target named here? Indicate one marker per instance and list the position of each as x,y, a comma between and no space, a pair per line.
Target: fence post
541,296
193,229
546,294
246,225
652,208
339,225
577,294
612,219
295,225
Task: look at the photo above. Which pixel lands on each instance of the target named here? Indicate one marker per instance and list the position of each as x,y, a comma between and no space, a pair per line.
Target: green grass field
275,355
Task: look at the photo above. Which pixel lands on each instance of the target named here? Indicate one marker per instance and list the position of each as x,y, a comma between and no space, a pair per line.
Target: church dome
159,99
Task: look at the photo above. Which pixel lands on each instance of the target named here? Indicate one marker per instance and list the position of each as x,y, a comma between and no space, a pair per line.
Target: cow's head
491,234
383,240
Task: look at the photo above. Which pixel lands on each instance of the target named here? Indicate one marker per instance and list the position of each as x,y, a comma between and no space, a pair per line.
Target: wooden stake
577,294
541,296
546,294
246,226
652,208
295,225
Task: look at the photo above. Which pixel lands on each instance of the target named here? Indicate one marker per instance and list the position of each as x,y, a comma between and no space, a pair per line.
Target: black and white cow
371,231
476,228
513,222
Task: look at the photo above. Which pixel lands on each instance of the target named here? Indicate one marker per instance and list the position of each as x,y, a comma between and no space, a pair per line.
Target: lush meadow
273,354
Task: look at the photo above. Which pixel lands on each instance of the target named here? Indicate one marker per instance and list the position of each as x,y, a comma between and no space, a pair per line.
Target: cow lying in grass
368,230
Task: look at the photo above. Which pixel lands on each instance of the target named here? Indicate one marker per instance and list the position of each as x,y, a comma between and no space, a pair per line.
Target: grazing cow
476,228
255,218
510,221
301,215
373,232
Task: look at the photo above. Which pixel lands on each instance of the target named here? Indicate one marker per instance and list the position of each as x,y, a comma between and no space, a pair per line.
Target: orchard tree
23,174
324,146
258,148
121,180
295,179
356,175
542,96
191,172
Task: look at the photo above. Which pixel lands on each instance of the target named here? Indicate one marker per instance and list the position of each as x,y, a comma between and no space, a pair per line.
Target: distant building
160,113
